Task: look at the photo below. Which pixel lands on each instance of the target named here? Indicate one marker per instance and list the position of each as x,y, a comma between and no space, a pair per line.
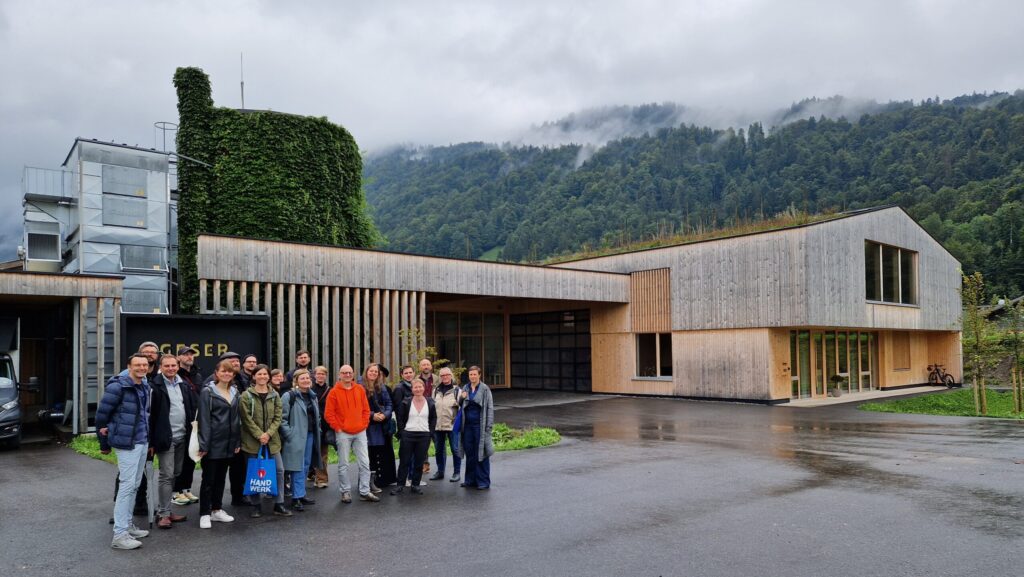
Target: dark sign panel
211,335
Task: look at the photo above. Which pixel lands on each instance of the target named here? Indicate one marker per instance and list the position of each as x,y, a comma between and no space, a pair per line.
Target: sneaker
181,499
346,497
191,497
204,522
455,478
125,541
408,483
221,517
321,484
369,497
137,533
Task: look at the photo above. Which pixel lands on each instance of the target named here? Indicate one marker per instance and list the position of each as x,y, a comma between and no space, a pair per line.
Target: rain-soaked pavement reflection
963,469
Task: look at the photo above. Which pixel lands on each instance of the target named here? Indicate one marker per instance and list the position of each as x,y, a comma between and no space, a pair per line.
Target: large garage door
551,351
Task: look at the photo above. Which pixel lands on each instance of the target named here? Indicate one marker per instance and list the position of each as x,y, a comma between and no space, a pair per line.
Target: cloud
439,73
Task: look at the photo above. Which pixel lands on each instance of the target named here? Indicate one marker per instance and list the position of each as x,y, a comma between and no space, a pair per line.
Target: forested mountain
955,165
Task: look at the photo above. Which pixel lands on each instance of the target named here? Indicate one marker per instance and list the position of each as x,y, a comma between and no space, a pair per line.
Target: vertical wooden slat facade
651,296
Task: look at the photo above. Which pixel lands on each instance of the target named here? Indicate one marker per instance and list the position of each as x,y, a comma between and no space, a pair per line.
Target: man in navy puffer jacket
122,423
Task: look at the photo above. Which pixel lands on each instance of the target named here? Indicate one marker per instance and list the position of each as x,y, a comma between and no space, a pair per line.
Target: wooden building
60,324
862,301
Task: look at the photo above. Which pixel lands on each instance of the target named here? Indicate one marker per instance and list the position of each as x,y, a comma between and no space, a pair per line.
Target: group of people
245,409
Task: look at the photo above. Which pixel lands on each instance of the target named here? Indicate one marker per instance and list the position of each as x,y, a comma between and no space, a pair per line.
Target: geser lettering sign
210,335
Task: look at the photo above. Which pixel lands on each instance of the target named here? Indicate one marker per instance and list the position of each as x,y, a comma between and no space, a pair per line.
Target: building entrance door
823,359
551,351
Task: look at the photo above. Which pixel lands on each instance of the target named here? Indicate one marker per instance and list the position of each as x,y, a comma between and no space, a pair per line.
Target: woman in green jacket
260,410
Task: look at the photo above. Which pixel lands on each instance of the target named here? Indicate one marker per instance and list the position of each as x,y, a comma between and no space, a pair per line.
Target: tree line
954,165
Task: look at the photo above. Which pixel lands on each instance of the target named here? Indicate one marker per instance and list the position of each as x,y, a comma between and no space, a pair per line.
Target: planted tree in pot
836,385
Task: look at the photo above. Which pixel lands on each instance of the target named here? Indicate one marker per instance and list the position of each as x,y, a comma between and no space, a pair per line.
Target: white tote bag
193,442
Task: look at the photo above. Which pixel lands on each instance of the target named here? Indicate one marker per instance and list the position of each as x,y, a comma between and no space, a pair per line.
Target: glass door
816,357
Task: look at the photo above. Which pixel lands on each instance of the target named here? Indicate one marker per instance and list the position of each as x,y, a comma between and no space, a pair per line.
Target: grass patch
492,255
89,446
959,403
505,439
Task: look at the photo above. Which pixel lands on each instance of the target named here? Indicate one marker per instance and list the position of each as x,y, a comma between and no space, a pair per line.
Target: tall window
654,355
890,273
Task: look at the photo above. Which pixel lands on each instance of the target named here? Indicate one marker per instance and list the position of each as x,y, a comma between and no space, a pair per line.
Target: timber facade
860,302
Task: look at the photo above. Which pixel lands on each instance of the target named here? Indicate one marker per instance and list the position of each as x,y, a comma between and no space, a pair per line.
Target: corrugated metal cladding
124,181
111,154
123,211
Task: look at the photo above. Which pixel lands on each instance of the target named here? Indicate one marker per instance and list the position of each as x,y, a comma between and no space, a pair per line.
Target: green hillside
954,165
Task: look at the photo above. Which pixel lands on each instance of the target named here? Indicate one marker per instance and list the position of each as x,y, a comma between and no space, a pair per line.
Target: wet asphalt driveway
637,487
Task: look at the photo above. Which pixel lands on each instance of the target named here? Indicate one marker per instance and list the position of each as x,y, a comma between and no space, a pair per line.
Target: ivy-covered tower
261,174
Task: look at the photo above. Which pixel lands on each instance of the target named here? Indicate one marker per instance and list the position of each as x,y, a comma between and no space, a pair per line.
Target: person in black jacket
302,361
192,376
219,441
417,418
236,470
170,424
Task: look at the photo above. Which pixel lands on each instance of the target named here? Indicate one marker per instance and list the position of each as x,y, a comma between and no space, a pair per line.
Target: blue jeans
357,444
440,455
299,477
130,464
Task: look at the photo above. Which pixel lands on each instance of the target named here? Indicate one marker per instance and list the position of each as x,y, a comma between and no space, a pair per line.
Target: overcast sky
443,72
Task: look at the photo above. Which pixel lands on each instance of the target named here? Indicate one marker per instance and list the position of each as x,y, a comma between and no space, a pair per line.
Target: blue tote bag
261,474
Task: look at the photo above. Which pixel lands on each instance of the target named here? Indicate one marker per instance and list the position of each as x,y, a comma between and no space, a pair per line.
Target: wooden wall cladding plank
728,364
945,349
59,285
245,259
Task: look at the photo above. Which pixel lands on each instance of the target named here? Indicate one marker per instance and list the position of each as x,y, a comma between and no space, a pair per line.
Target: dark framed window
890,273
654,355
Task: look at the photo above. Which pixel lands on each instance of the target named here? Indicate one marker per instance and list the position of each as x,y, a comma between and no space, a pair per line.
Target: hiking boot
125,541
369,497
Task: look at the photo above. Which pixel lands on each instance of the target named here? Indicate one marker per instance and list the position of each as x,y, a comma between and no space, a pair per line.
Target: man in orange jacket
347,411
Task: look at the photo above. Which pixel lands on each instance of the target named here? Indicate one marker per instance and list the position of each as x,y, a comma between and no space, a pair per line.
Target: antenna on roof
241,66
